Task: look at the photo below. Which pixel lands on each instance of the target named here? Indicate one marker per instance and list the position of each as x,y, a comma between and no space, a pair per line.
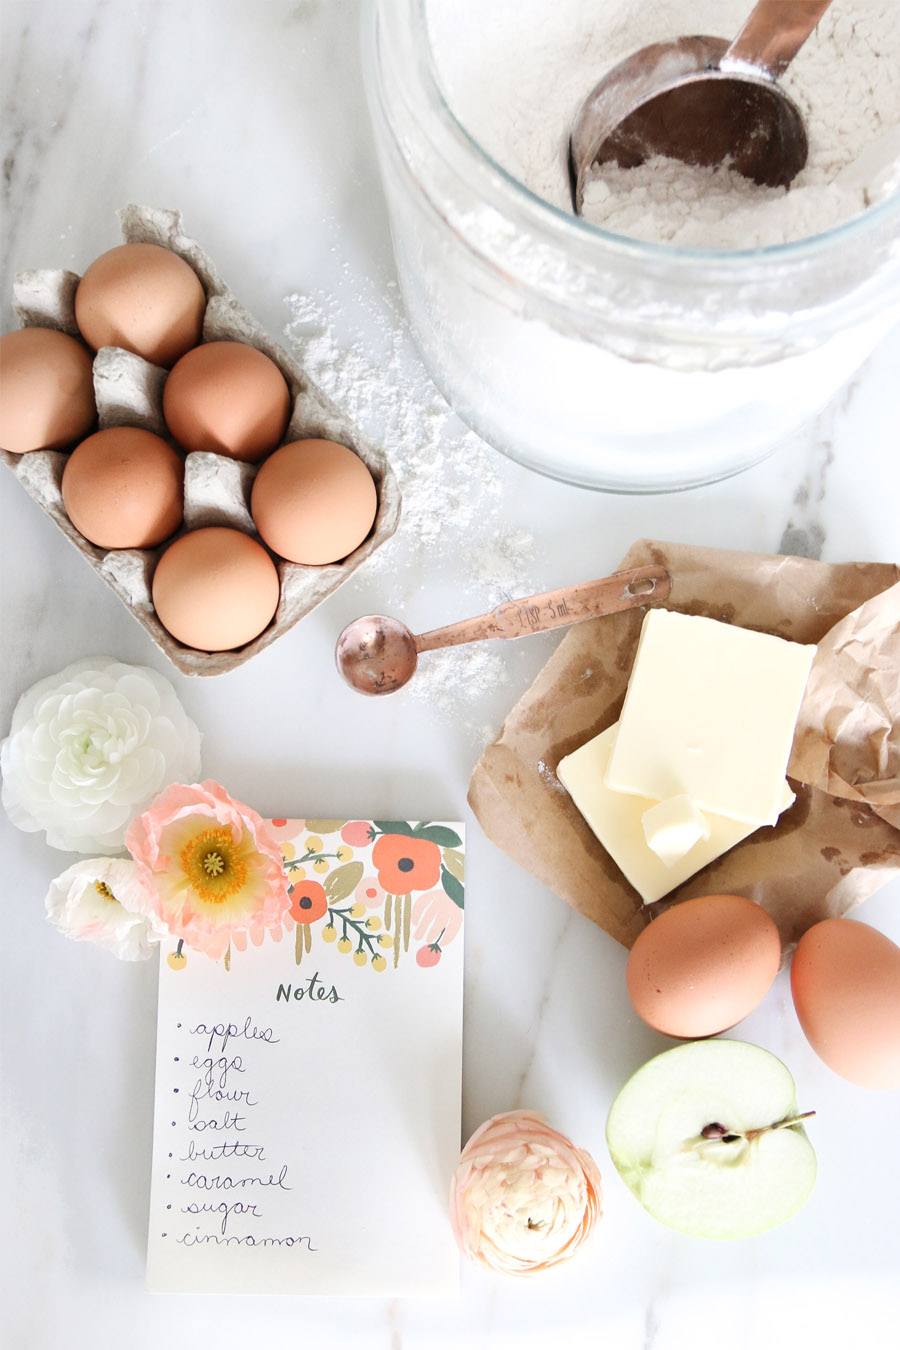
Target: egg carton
128,392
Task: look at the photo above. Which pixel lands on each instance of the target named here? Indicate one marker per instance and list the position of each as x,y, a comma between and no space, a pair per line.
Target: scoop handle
556,609
773,35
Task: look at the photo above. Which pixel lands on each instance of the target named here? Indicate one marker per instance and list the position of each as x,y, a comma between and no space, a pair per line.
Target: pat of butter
616,820
710,712
673,827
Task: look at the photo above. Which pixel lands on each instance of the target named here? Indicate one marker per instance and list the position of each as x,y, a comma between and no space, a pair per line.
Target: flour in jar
516,71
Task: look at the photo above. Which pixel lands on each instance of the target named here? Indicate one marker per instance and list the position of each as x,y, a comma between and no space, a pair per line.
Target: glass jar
600,360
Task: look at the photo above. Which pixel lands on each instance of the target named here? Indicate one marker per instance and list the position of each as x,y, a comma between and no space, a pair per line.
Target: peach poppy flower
406,864
523,1197
213,866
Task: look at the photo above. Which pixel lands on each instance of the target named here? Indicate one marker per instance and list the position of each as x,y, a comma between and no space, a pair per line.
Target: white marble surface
250,117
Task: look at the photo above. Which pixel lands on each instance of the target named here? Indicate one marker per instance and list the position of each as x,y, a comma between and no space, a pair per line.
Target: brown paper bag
830,851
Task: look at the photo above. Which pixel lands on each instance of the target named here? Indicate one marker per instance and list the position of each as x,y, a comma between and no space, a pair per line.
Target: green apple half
708,1138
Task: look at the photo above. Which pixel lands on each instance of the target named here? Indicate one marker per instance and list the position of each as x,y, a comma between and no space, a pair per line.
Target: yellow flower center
103,891
213,865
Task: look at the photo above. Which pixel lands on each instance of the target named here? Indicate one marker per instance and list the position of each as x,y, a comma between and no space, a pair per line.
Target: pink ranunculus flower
370,892
357,833
523,1197
213,867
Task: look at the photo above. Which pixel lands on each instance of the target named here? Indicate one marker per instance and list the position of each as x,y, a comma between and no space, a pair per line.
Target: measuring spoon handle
555,609
773,35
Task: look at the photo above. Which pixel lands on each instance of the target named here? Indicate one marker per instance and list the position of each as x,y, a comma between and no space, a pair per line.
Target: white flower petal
89,748
102,900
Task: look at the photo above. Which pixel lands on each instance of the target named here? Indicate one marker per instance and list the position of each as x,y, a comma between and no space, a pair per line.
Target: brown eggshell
46,390
215,589
144,298
227,398
124,488
703,965
845,978
314,502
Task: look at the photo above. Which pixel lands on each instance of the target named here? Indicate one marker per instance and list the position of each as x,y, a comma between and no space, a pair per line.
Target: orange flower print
406,864
308,901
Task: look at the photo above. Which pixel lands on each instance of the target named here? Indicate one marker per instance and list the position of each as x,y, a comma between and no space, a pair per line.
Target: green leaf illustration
438,834
453,888
324,826
455,863
343,881
393,827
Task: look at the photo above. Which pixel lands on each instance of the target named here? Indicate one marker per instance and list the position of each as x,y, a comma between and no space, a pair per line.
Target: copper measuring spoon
379,655
702,100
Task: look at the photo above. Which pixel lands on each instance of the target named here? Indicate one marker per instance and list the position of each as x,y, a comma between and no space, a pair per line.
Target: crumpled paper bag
836,845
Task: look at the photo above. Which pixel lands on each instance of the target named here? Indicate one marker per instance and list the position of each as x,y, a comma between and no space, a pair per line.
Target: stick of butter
672,827
616,820
710,713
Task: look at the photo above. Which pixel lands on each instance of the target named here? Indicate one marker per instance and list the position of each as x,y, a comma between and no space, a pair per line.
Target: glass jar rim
559,223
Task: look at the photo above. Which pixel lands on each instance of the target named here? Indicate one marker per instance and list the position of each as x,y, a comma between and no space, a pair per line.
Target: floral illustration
89,747
208,871
212,867
370,893
415,893
308,901
104,900
358,833
405,864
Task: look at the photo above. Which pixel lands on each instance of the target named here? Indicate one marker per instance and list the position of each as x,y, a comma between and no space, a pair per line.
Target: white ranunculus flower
100,900
89,748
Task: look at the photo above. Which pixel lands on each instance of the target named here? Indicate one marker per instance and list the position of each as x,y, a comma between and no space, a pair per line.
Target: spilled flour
451,482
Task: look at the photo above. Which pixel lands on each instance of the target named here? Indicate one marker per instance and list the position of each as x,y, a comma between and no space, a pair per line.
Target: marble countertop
251,119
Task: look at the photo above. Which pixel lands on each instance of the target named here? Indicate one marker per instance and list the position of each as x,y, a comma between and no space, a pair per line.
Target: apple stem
779,1125
717,1131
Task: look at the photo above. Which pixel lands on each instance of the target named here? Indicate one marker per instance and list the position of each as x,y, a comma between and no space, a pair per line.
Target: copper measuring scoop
702,100
379,655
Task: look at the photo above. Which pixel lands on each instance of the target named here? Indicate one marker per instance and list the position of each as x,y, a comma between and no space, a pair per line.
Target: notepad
307,1112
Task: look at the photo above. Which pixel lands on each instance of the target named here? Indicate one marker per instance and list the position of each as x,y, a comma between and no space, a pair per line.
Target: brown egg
703,965
46,390
144,298
124,488
314,502
215,589
845,979
229,398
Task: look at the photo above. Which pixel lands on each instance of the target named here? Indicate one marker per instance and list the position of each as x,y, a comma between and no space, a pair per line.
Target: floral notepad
307,1117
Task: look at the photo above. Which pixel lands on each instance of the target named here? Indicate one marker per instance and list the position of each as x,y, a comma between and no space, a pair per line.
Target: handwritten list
224,1183
306,1125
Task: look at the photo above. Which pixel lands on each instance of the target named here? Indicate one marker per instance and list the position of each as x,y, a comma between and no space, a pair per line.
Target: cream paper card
307,1116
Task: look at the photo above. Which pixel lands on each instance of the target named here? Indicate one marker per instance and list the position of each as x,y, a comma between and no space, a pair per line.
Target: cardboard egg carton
128,392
